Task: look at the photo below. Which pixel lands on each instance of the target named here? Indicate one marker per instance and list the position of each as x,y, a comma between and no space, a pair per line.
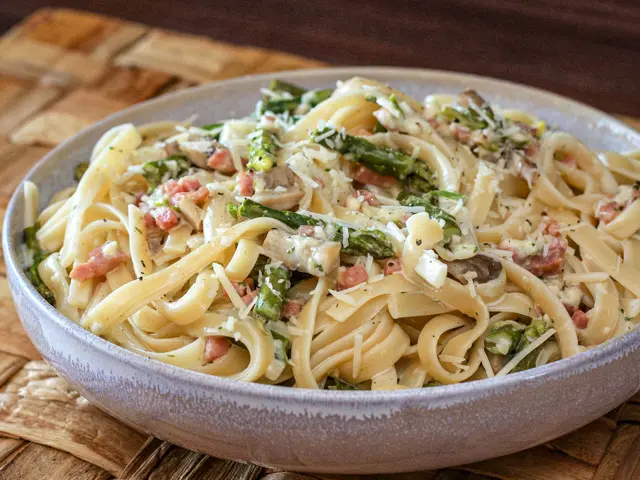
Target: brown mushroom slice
278,188
281,176
485,267
305,254
286,200
489,280
197,151
469,96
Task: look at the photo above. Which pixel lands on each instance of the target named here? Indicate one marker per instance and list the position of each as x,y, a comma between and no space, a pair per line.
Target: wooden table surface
63,70
585,49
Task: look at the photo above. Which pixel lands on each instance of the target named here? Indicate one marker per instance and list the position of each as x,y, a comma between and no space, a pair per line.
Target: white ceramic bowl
328,431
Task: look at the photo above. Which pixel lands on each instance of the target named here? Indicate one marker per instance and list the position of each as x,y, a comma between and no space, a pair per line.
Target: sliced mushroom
286,200
197,150
469,96
278,177
278,188
485,267
305,254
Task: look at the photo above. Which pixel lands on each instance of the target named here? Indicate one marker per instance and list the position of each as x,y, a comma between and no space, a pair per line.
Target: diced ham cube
222,161
549,264
369,197
198,196
214,348
392,265
551,227
98,264
165,218
541,265
580,319
171,187
186,187
608,212
291,308
368,177
245,184
352,276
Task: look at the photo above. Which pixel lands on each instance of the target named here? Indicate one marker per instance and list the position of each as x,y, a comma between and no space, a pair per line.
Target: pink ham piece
368,177
580,319
542,265
222,161
352,276
98,264
245,289
549,264
214,348
165,218
187,187
245,184
392,265
608,212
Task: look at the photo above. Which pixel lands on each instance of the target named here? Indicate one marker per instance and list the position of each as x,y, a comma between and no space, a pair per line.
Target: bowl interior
237,98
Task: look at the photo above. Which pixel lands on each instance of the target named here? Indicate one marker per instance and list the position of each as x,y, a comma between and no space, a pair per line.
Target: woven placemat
62,70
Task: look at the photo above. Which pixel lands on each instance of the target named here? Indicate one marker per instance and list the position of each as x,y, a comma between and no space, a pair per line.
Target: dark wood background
585,49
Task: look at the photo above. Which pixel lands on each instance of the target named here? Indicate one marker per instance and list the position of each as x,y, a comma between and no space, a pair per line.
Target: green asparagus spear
30,239
464,116
37,255
278,86
271,297
382,160
279,332
155,171
250,209
79,170
289,97
427,201
262,150
366,242
360,242
379,128
504,336
422,180
536,328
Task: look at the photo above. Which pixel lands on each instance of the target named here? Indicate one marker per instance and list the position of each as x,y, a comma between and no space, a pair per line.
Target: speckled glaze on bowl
328,431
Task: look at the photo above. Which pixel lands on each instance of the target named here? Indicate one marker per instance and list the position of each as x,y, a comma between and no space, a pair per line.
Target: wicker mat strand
62,70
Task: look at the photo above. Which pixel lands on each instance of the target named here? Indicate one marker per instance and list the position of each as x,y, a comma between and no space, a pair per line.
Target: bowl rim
441,397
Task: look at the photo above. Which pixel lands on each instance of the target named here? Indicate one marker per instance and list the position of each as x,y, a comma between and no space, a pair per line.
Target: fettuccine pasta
349,238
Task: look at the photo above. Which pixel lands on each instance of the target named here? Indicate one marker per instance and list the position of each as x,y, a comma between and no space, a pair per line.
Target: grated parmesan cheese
526,351
343,297
228,286
395,231
486,364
